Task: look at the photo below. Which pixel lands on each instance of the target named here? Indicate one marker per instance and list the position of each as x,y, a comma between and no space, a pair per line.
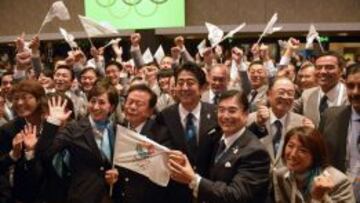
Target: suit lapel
176,127
206,121
313,105
89,136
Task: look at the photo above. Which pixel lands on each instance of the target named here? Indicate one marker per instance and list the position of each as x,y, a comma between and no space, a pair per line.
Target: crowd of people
241,127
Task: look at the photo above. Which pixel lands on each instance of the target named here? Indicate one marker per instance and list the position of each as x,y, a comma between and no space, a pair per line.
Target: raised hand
322,184
29,137
180,167
262,115
236,54
135,39
179,41
35,45
57,109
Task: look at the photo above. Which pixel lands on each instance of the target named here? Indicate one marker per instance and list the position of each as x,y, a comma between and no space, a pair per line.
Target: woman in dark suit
89,142
15,150
307,176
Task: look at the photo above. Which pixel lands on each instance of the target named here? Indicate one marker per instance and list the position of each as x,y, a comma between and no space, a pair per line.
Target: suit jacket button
102,168
127,179
123,194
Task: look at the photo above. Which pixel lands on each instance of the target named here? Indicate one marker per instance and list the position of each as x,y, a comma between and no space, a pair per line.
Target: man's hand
111,176
262,115
135,39
179,41
180,167
57,109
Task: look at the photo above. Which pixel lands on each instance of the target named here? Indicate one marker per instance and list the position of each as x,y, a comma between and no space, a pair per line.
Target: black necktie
253,94
190,133
216,99
277,136
220,150
323,104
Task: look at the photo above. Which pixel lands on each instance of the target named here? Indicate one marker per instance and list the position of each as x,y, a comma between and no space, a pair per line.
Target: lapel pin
235,150
227,165
208,116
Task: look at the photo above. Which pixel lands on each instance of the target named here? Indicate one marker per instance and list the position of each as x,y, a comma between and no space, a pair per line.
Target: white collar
196,112
139,127
273,118
229,140
333,93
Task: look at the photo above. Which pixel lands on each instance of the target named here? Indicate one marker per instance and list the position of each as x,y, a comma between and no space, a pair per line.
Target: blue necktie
190,133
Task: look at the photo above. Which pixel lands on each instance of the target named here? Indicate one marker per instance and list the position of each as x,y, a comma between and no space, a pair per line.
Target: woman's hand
29,137
322,184
57,109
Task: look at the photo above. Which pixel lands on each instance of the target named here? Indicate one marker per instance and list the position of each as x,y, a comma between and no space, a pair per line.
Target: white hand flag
311,36
215,34
159,54
232,32
69,38
57,9
270,29
141,155
147,56
113,41
202,47
94,29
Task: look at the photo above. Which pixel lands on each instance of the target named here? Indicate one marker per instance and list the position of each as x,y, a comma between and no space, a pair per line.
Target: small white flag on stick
141,155
215,34
147,56
269,29
159,54
202,47
57,9
94,29
311,36
113,41
232,32
69,38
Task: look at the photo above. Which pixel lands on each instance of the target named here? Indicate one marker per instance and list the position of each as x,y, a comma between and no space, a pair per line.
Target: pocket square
227,165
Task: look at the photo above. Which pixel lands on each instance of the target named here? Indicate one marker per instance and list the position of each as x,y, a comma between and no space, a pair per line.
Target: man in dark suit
189,121
341,128
240,164
139,108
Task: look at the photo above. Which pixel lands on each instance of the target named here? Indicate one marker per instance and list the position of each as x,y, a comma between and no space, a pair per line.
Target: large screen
137,14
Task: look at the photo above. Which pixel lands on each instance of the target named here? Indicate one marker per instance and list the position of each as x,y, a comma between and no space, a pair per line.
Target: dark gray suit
240,175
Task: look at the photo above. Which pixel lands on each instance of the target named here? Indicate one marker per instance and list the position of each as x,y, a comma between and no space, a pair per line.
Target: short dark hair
240,98
257,62
118,65
5,74
66,67
313,141
47,72
165,73
104,86
145,88
352,69
340,58
194,69
85,70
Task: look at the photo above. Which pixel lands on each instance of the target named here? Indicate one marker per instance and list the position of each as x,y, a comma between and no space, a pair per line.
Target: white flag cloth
269,29
159,54
113,41
94,29
69,38
57,9
202,47
141,155
147,56
232,32
215,34
311,36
